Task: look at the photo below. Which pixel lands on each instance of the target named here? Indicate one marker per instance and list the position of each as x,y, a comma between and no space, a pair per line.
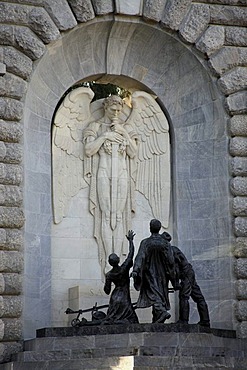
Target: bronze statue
188,288
154,266
120,308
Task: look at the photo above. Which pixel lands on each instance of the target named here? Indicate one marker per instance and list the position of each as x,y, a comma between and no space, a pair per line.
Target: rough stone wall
216,29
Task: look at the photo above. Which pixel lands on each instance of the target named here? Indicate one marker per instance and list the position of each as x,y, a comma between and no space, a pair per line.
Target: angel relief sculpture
115,150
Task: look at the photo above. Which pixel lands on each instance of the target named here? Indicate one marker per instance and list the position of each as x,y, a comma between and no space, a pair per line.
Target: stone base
127,347
132,328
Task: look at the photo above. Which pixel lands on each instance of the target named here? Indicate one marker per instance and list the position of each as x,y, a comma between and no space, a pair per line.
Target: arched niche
134,55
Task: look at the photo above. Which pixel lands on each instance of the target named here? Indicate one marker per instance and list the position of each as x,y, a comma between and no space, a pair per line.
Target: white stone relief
116,150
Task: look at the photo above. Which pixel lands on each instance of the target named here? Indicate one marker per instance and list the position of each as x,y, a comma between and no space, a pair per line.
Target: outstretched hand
130,235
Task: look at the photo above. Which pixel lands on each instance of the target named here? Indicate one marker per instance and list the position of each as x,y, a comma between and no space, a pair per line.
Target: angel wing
153,165
67,149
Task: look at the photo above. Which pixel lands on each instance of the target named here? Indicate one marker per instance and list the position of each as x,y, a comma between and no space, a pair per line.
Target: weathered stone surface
103,7
11,261
241,243
6,34
41,23
10,174
236,36
2,69
30,2
239,186
239,206
241,310
2,236
195,22
2,284
10,195
229,15
222,2
10,131
239,166
1,334
228,57
241,289
237,102
11,306
242,56
211,40
240,226
3,150
11,239
22,38
241,268
174,13
12,86
153,9
238,125
16,62
7,349
14,153
234,80
14,239
82,9
29,43
11,217
61,14
238,146
12,283
12,329
240,252
13,13
10,109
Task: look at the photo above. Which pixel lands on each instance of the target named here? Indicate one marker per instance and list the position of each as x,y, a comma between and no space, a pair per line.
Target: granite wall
193,56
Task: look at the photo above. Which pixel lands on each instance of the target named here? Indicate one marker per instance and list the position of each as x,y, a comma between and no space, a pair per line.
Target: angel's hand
113,136
119,129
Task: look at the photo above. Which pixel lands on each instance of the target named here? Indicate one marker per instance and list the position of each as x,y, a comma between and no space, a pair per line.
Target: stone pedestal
136,346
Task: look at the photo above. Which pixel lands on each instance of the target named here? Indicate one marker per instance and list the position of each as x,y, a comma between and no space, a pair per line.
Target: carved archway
215,30
149,56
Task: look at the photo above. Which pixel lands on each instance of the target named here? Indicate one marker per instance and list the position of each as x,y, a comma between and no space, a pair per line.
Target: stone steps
158,351
132,349
132,363
31,356
114,363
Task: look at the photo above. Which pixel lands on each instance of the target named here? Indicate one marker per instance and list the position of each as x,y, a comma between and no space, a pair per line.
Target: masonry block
237,102
83,9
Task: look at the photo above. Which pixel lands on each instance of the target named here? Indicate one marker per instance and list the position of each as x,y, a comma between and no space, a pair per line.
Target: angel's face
113,111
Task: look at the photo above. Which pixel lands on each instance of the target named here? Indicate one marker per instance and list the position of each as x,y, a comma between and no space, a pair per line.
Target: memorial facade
191,58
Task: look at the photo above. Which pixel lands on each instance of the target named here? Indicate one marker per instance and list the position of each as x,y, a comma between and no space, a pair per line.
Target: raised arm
130,237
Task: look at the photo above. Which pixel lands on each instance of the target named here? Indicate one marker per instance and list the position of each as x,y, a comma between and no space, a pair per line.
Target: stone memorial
180,147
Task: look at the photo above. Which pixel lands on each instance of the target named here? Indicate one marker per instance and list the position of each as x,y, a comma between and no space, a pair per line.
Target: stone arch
220,37
167,68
